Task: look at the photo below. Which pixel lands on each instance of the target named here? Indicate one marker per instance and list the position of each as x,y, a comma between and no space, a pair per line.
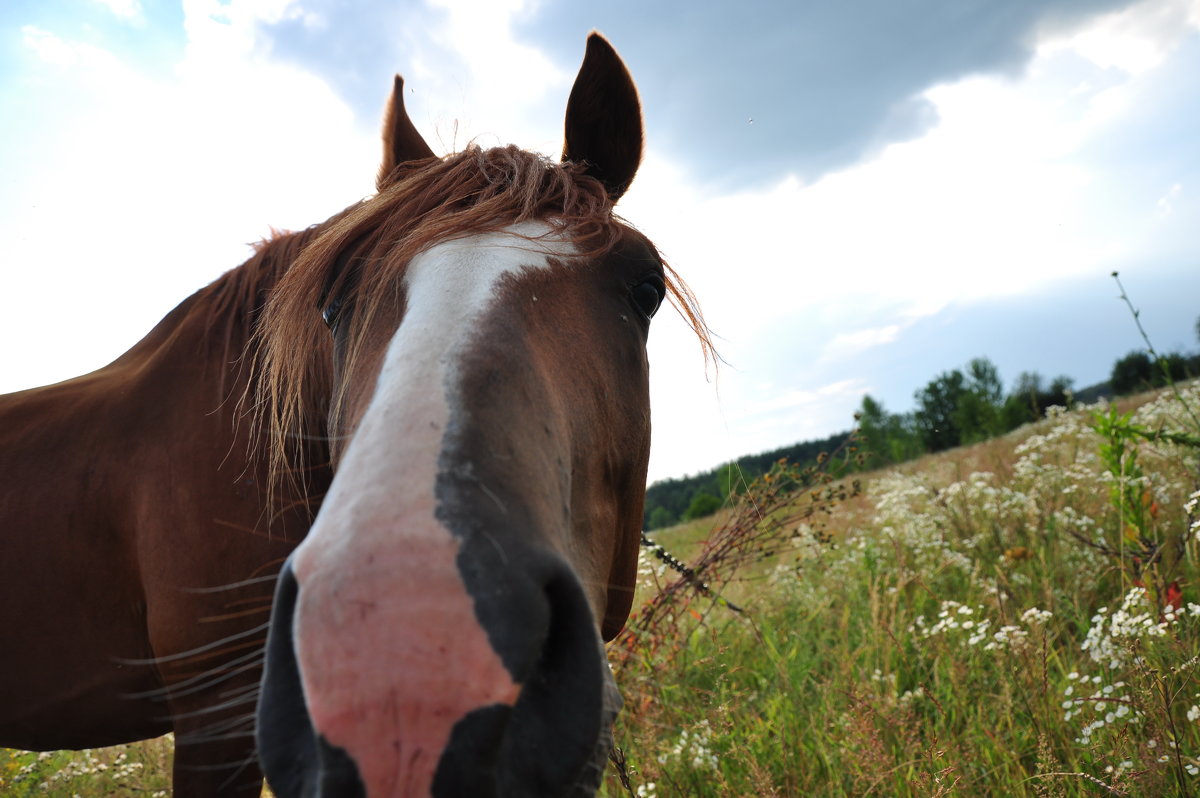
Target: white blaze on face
391,654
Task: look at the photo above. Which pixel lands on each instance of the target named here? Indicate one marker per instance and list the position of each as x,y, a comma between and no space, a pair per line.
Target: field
1013,618
1020,617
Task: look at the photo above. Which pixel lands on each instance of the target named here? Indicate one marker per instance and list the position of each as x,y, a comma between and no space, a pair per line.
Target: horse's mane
239,294
419,204
228,309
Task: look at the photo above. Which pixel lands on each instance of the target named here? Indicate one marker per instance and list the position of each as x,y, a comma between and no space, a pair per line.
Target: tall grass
1014,618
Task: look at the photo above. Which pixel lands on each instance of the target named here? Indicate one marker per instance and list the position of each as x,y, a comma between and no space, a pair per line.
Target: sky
862,194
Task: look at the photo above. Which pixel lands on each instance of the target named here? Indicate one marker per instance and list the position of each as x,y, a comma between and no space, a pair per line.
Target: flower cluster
908,517
1110,703
647,790
1058,461
694,747
1111,637
954,618
1192,508
650,570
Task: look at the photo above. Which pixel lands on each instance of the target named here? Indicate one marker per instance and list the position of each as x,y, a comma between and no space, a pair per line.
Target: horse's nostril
296,760
556,738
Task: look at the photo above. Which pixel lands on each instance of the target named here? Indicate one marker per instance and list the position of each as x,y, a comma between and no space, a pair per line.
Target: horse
361,513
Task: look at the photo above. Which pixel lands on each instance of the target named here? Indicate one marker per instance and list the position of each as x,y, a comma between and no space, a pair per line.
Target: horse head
484,390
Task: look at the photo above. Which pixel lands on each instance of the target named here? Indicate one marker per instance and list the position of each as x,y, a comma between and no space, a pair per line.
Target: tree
1134,372
872,429
937,404
702,504
1059,393
1029,400
887,437
1024,404
983,379
730,480
1172,367
979,414
660,517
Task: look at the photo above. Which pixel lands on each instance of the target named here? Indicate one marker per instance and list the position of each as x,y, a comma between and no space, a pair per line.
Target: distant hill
672,500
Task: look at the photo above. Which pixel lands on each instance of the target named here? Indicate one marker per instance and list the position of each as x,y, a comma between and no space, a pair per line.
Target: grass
1013,618
121,771
1020,617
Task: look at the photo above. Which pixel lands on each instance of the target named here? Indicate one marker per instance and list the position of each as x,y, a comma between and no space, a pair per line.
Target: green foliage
1029,400
675,496
956,408
1148,552
730,480
1128,487
702,504
660,517
1134,372
979,415
1146,369
1139,371
886,437
936,415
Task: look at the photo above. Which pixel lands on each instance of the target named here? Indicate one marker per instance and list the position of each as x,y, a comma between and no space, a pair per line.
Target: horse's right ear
401,141
604,119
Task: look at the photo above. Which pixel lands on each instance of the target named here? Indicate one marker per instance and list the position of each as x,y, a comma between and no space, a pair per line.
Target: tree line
955,408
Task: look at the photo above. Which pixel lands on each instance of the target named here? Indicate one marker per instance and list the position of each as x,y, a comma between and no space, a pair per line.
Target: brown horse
470,426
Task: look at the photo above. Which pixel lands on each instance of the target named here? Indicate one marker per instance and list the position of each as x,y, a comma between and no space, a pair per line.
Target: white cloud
495,101
129,11
852,343
139,189
1135,39
51,49
1166,203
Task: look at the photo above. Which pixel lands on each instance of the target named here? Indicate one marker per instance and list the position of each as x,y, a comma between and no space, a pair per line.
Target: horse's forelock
421,203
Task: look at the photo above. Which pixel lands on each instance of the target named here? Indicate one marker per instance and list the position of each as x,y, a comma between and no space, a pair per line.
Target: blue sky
862,194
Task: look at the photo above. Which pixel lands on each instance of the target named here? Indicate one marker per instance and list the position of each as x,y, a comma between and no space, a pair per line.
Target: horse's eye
331,313
648,295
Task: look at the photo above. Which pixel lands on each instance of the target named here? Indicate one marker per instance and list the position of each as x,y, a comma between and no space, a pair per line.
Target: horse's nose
297,760
414,698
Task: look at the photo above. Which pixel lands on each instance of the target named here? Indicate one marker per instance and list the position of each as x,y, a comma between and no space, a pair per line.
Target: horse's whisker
251,698
257,580
201,734
206,649
229,616
226,669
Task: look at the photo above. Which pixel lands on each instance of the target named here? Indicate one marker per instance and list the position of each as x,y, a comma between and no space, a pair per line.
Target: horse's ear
401,141
604,118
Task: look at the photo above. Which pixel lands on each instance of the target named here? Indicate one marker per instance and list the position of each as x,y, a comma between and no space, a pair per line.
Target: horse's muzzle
550,738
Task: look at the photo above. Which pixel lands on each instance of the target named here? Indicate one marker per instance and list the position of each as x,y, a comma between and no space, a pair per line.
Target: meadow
1018,617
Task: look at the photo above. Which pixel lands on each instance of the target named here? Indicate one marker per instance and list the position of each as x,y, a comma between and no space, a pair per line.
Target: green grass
122,771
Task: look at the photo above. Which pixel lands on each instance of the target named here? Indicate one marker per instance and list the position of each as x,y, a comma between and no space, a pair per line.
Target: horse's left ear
401,141
604,119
